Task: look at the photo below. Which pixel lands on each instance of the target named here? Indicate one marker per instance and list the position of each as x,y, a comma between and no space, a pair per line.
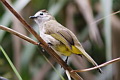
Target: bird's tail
89,58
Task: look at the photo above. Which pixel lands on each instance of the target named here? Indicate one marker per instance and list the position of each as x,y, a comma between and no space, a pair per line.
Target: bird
61,40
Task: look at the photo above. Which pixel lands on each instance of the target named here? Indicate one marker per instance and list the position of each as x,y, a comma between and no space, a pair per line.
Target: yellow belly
65,51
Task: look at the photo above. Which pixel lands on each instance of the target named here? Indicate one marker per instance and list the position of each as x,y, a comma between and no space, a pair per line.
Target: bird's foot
50,44
66,60
39,43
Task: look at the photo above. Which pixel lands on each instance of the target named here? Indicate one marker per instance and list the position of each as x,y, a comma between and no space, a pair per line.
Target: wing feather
60,33
59,37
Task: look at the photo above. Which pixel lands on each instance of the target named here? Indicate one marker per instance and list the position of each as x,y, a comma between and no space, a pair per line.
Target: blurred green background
99,38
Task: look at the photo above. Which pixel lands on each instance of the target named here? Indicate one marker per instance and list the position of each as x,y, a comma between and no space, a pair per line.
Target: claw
39,43
50,44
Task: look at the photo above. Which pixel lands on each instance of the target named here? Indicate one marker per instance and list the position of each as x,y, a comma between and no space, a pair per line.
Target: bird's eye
41,13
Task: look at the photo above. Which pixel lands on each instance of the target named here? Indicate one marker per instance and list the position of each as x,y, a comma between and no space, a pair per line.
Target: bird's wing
66,35
61,34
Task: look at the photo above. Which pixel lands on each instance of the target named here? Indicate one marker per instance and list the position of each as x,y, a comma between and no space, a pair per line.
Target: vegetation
100,38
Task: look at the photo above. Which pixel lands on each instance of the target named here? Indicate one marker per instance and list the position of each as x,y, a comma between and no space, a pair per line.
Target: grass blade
62,78
11,64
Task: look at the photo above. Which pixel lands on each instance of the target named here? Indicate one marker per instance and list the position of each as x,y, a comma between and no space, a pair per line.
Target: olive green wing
62,35
66,35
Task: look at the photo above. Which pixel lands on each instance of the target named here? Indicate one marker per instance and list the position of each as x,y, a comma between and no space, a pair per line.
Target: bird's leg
50,44
66,60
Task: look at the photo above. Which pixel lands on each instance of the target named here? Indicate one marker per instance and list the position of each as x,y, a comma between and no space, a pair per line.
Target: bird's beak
33,17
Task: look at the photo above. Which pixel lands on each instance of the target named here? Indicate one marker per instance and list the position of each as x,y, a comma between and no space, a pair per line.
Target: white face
41,17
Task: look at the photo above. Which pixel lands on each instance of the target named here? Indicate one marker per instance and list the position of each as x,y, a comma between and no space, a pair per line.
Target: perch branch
57,58
102,65
18,34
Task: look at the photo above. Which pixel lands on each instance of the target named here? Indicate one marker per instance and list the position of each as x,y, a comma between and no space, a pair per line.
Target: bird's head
41,16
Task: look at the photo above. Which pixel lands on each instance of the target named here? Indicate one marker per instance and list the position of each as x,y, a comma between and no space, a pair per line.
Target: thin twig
102,65
18,34
57,58
106,17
